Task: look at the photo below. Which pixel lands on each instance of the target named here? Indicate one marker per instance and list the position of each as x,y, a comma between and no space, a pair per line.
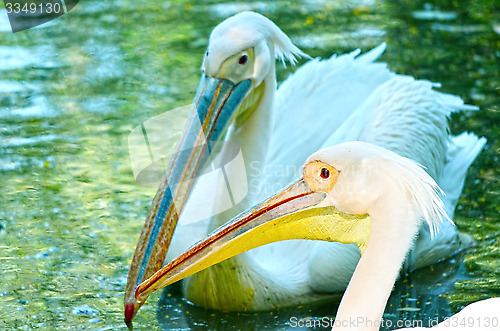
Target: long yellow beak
215,106
295,213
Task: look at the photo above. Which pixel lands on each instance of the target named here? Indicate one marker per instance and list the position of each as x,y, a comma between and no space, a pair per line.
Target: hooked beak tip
129,314
129,324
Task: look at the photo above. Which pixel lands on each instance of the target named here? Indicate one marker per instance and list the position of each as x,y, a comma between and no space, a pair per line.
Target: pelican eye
243,59
320,176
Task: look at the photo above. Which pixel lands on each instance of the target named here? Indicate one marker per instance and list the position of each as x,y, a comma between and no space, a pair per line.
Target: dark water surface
72,90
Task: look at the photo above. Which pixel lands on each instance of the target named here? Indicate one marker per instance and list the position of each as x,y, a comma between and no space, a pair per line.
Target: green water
71,91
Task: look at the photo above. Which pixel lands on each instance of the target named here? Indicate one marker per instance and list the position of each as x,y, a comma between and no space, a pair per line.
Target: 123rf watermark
26,14
329,323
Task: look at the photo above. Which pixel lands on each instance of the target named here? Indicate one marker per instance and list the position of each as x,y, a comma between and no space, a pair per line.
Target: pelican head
245,46
355,178
238,79
242,50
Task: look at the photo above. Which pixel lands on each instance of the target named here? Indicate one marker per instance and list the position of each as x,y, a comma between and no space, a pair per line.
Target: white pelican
357,178
324,103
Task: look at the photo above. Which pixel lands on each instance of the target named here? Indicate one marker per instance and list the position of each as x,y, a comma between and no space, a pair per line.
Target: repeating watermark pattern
222,184
263,178
26,14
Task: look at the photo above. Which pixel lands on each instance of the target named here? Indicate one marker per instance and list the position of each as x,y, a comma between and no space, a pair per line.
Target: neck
238,283
393,230
252,137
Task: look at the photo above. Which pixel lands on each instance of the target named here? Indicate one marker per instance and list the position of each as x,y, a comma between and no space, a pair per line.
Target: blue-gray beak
215,107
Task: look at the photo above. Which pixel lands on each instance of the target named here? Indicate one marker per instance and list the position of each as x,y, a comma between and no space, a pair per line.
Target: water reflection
37,106
363,37
14,57
8,87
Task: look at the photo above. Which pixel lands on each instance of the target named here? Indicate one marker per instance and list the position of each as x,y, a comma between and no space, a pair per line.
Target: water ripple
16,57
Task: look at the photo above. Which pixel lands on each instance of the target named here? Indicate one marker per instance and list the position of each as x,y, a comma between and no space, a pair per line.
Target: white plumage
325,102
398,195
357,178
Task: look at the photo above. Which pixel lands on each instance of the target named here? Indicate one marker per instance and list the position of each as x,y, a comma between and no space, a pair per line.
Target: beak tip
129,324
129,314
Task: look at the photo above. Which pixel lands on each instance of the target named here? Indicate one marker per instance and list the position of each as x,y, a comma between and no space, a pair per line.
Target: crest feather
247,29
425,192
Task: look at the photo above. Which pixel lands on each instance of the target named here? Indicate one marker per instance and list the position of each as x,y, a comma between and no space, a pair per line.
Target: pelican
325,102
356,178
